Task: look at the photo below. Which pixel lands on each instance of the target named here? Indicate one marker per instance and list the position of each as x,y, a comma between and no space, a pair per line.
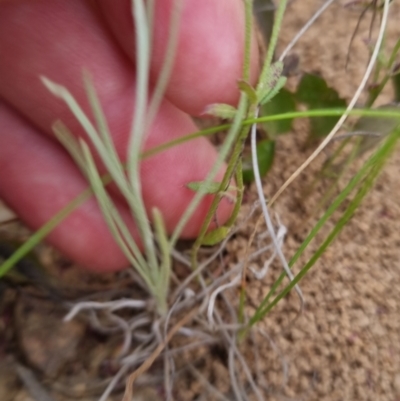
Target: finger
57,39
38,179
209,57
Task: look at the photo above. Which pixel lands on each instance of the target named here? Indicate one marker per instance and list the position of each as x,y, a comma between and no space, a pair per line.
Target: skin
57,39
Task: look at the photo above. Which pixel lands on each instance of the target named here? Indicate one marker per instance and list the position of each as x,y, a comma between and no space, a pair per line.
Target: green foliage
265,158
283,102
314,92
274,81
279,85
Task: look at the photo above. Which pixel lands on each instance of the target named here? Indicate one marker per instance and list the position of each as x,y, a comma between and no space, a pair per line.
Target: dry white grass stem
264,208
305,28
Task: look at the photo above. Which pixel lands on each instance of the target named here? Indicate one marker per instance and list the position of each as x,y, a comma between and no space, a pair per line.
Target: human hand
57,39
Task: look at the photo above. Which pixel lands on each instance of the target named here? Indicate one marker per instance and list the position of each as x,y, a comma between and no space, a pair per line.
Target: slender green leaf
315,93
274,91
271,80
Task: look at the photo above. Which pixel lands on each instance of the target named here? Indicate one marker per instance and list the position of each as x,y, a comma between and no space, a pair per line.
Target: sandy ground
346,345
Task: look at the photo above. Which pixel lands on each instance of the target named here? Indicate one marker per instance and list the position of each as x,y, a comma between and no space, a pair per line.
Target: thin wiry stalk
355,32
305,28
280,236
124,326
272,44
213,297
232,341
351,105
267,217
111,306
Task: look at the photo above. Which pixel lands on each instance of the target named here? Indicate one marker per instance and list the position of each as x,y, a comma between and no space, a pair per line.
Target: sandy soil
346,345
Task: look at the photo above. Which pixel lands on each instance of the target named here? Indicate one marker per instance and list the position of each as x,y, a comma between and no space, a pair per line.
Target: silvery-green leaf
221,110
215,236
272,78
273,92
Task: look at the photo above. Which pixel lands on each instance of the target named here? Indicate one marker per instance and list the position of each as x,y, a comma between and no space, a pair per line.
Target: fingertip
210,53
210,50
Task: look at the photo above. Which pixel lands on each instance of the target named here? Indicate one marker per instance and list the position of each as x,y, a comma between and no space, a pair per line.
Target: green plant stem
165,268
44,231
233,162
272,44
239,193
247,39
232,165
346,165
374,93
284,116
